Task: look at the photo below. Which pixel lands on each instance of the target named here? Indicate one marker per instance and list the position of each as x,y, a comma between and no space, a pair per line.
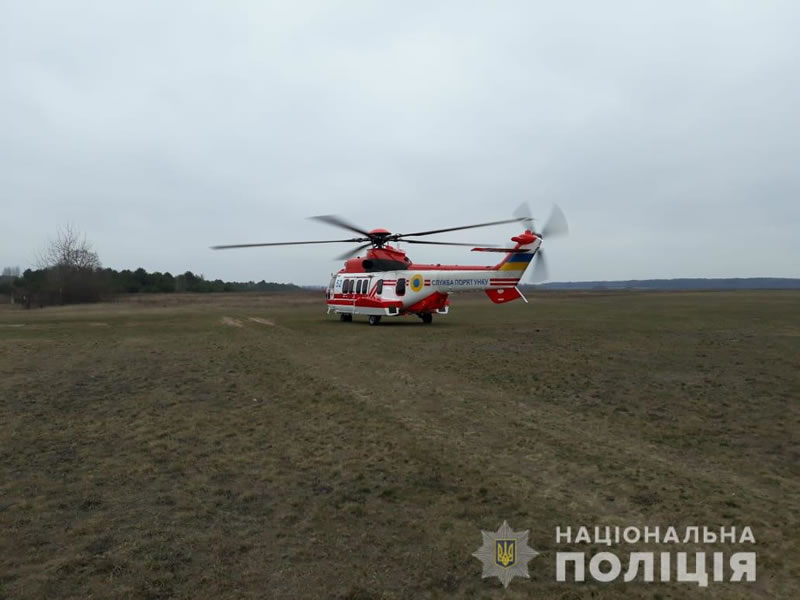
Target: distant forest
69,271
55,285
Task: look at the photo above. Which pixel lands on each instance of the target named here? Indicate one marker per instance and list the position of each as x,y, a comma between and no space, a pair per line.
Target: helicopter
386,283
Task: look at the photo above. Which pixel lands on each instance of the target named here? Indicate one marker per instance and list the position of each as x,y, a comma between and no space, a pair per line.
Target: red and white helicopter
386,283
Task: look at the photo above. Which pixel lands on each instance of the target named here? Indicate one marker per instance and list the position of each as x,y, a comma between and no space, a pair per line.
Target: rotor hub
379,237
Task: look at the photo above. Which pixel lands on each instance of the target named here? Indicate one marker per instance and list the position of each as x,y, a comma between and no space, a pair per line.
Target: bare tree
10,272
69,250
72,270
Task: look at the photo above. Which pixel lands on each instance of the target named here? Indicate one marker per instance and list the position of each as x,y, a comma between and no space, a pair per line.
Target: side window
379,287
400,288
361,285
348,284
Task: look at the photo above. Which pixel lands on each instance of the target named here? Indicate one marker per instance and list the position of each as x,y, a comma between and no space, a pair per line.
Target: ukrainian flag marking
517,262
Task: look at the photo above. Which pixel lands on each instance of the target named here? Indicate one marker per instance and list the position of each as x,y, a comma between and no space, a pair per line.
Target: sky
667,132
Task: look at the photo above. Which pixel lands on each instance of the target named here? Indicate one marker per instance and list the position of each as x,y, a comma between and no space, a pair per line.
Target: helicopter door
352,290
331,288
354,283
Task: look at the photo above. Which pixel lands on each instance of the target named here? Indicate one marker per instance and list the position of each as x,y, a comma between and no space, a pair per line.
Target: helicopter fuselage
385,283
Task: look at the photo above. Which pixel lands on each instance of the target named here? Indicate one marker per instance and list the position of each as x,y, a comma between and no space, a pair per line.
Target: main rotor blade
229,246
339,222
432,231
556,224
506,250
435,243
540,272
353,252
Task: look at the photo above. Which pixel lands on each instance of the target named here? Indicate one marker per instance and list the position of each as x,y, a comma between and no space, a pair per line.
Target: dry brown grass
148,450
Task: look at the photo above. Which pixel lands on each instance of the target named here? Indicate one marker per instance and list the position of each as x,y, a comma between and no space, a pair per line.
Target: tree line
82,285
69,271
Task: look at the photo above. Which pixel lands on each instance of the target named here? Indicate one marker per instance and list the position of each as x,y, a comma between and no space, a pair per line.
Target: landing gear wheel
345,318
427,318
374,319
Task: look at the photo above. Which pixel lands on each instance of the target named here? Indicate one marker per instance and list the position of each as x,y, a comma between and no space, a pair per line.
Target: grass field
248,446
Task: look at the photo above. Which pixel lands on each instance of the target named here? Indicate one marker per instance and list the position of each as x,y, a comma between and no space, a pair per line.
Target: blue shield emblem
505,553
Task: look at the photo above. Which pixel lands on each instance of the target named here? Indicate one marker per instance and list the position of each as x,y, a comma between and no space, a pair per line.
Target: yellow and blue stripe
518,261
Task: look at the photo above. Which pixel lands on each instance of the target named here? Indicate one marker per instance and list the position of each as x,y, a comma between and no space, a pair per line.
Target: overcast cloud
667,131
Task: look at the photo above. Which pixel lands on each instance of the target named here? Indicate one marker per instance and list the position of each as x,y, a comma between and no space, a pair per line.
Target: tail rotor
555,226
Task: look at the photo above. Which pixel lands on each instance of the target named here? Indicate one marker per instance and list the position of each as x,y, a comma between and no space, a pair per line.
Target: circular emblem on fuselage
416,282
